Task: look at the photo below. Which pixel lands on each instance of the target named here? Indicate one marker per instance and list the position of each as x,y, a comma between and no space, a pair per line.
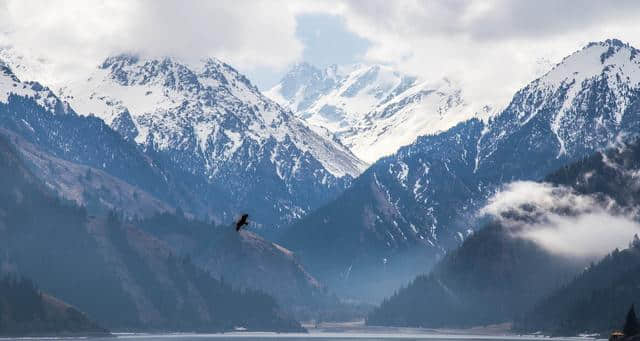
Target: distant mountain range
406,210
372,109
227,147
144,164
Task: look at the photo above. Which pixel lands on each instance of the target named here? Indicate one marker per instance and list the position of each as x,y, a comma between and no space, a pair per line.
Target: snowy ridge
582,105
26,69
168,100
373,109
589,90
11,85
213,123
232,148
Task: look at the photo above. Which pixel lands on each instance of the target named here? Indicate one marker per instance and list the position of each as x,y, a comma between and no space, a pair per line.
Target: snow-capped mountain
579,106
81,159
213,123
219,142
419,202
373,109
167,100
43,96
77,156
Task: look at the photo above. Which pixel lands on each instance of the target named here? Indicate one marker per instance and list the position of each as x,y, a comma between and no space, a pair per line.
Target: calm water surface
341,336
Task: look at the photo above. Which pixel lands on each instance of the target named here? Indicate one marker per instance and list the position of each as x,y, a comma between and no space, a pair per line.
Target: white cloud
74,36
562,221
491,47
590,235
533,201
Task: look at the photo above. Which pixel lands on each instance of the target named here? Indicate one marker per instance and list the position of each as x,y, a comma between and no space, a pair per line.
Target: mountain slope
212,123
26,311
83,160
35,117
372,109
490,279
433,187
243,259
86,186
121,276
500,274
387,224
583,104
595,302
597,299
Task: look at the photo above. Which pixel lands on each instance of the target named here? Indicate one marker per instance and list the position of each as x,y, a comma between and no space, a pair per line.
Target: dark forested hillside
117,274
611,173
89,142
495,277
246,260
24,310
595,302
490,279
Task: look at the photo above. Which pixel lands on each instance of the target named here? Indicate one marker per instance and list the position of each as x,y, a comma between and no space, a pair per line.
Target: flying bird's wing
242,221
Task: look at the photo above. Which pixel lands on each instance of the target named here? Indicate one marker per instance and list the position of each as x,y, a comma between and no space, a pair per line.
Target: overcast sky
491,47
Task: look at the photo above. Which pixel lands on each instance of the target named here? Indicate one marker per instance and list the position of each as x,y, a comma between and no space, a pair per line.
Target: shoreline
503,329
328,330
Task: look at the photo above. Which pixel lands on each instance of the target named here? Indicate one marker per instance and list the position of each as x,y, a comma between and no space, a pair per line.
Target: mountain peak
613,46
612,42
427,190
606,73
11,85
213,123
5,71
173,73
303,67
119,61
611,57
371,108
167,72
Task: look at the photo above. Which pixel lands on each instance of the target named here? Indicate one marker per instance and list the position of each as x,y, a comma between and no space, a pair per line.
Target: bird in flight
242,221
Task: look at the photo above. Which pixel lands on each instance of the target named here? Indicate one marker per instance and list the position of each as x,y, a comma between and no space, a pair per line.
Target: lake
343,331
317,336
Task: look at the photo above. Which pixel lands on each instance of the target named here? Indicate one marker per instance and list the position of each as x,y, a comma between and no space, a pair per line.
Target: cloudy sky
491,47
